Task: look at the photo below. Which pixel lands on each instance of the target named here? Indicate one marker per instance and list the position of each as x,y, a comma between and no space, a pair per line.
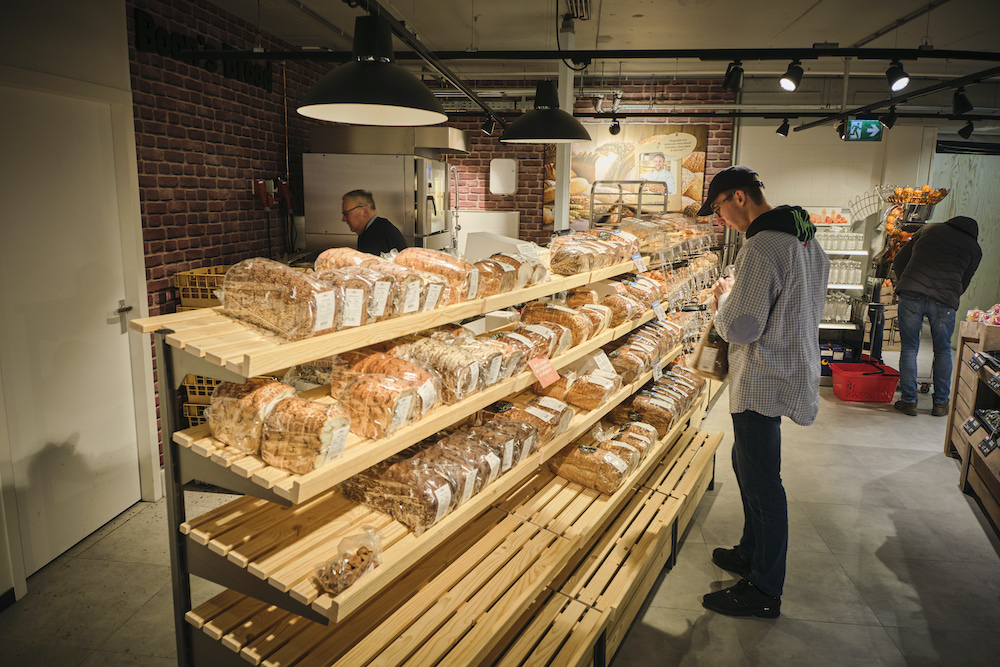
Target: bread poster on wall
644,170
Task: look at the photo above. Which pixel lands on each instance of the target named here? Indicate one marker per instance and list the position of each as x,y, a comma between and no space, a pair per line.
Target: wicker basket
197,286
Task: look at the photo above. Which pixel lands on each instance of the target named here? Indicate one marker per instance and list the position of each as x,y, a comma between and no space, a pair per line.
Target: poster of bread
643,170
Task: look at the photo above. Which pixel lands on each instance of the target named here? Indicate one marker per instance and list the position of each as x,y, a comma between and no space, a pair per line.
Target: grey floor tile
889,532
939,595
723,524
690,579
792,642
24,653
143,634
818,589
110,659
683,637
82,602
949,648
848,483
144,538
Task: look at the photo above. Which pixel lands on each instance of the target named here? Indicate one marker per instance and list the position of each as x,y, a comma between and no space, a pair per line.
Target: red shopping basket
864,382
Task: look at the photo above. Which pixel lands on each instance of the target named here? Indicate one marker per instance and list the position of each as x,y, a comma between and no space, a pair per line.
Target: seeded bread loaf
237,410
407,490
578,323
338,258
590,467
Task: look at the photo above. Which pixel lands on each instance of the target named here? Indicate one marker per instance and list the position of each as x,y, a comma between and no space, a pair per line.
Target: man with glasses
376,235
769,313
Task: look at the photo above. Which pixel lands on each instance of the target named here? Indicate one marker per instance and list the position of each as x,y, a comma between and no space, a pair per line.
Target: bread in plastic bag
600,316
531,346
411,292
544,422
494,277
578,324
591,390
562,412
458,368
590,467
300,435
473,452
580,297
561,336
378,404
558,389
357,555
309,374
526,437
237,410
406,489
569,260
425,381
338,258
523,269
623,308
513,361
462,276
491,361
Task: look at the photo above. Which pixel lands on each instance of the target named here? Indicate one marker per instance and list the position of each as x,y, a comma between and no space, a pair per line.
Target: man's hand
722,286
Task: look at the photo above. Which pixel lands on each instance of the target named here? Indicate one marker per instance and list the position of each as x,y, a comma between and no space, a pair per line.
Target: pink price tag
544,371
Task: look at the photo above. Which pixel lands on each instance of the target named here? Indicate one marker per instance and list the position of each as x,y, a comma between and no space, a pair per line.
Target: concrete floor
889,563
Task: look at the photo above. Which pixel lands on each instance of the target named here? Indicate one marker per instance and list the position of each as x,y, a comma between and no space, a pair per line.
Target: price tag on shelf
994,382
987,446
660,314
976,362
971,425
657,370
544,371
663,259
640,265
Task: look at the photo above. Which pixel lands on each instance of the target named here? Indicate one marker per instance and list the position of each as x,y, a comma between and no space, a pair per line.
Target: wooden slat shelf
281,545
360,454
247,351
484,596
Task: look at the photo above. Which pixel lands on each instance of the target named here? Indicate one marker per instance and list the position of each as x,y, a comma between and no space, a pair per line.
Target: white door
66,375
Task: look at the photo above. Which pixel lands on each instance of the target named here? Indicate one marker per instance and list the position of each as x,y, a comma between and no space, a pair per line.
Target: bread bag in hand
237,411
300,435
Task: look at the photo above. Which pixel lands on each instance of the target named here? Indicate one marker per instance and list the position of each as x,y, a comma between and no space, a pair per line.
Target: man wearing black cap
769,313
934,269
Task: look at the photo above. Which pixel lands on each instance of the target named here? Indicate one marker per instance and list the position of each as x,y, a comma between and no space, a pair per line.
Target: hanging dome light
372,89
792,77
615,127
897,78
546,123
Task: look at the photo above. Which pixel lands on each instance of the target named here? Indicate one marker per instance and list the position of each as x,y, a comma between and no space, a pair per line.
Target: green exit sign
863,130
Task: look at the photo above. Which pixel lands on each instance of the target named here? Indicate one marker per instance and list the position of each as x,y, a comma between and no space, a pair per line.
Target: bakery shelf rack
206,343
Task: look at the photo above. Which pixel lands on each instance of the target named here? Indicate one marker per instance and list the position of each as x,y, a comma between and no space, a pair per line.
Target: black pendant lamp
372,89
546,123
733,81
960,104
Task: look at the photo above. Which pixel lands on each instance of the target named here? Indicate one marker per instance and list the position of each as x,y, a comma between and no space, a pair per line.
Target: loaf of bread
522,268
309,374
627,364
458,368
278,298
338,258
462,277
628,242
544,422
494,277
514,358
530,347
462,474
640,440
562,412
686,372
623,308
580,297
645,407
557,389
563,335
623,450
468,453
490,359
569,260
578,323
237,410
526,437
590,391
425,381
353,295
645,292
590,467
483,445
544,339
411,294
378,404
600,316
407,490
449,333
300,435
383,291
501,443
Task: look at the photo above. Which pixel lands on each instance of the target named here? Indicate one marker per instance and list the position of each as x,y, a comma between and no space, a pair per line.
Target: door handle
123,312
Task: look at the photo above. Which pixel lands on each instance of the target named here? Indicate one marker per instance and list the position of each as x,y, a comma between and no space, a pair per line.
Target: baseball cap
731,178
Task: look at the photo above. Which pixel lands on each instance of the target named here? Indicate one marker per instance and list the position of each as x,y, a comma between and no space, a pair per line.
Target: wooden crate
196,287
981,336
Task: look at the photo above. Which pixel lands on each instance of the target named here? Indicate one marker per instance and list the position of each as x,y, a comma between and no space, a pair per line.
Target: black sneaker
730,561
940,410
743,599
906,408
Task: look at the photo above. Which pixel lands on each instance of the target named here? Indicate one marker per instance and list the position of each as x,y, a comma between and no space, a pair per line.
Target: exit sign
863,130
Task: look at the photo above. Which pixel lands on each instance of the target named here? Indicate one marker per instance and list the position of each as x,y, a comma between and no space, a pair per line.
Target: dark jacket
380,236
940,260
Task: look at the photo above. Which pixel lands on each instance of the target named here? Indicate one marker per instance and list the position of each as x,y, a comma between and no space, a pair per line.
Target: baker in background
376,235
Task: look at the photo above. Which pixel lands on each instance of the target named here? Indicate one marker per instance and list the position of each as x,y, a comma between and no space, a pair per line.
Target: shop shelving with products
208,344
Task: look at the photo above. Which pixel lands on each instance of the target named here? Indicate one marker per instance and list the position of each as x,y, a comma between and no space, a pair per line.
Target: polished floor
889,564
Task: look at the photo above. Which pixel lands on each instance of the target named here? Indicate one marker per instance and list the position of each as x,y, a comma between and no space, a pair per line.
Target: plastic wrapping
310,374
491,361
590,391
383,291
357,555
563,335
412,288
684,371
300,435
425,381
544,339
645,407
462,474
576,298
449,333
544,422
470,451
711,356
530,347
353,296
578,323
407,490
338,258
523,269
599,316
568,260
627,364
514,358
462,277
625,451
623,308
379,404
557,389
237,411
591,467
458,368
534,404
494,277
278,298
525,436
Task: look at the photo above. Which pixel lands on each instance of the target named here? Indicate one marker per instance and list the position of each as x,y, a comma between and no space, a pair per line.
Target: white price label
660,313
645,427
326,308
380,296
401,412
662,403
529,251
338,440
706,360
473,284
473,377
493,461
526,449
433,296
552,403
468,487
657,371
428,395
493,372
412,301
604,383
603,362
547,417
615,461
544,332
518,337
443,495
640,265
508,454
354,302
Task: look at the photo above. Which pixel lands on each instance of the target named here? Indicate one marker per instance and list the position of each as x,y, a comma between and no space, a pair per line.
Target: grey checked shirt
771,320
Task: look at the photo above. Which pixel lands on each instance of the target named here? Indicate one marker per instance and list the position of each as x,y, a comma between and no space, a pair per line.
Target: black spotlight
966,131
840,130
960,103
489,125
733,81
783,128
615,127
889,119
792,77
897,78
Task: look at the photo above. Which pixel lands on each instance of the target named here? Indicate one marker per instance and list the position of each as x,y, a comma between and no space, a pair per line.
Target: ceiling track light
897,78
792,77
966,131
546,123
960,104
615,127
783,128
733,81
372,89
889,119
489,125
840,130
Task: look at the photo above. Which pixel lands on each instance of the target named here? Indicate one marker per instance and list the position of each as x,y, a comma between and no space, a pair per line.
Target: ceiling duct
578,9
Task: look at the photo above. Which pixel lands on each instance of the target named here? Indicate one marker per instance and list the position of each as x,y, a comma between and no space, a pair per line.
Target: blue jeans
912,310
757,463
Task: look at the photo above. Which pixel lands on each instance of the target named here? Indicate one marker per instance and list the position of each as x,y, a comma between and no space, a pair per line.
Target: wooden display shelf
253,475
474,593
281,545
248,351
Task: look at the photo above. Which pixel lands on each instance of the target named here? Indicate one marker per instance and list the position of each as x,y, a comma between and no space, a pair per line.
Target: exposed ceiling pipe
900,22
